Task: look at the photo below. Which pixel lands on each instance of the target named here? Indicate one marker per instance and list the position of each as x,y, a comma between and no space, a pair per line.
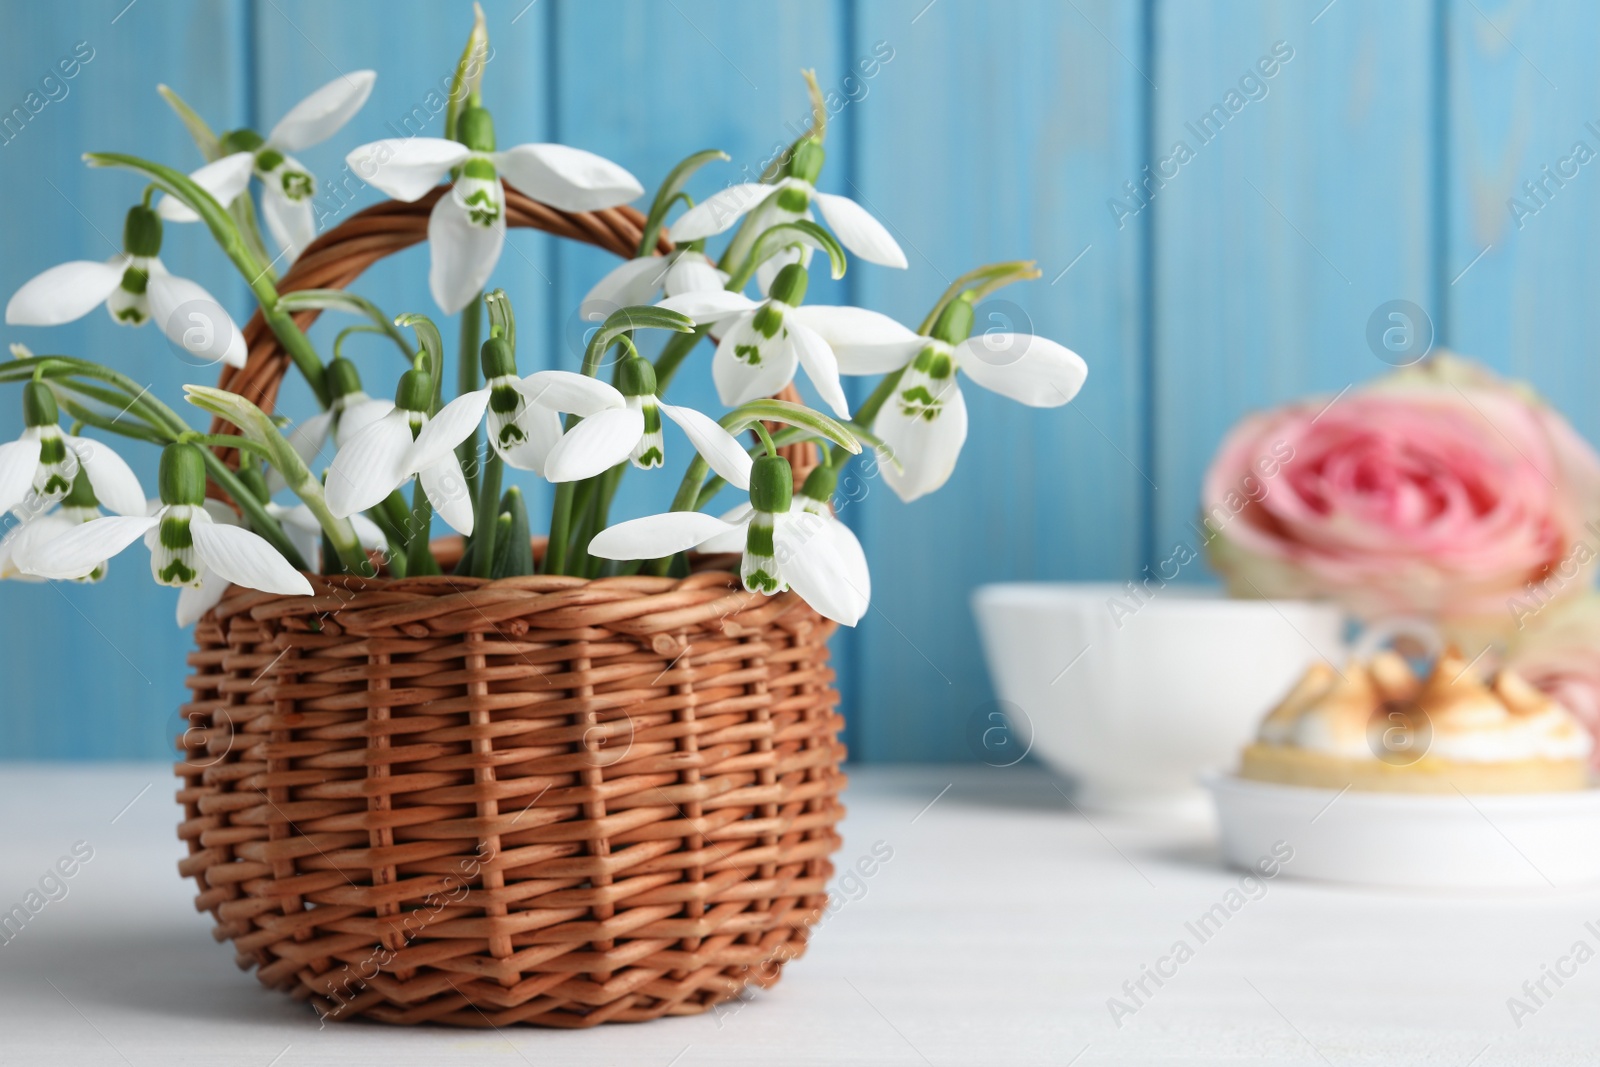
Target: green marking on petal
651,457
177,573
759,581
175,533
767,320
296,184
268,160
135,281
795,198
750,354
52,449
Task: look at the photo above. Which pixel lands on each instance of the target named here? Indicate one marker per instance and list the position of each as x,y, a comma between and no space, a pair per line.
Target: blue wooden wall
1374,164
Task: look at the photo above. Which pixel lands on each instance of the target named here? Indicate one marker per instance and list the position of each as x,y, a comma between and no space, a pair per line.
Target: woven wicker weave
542,799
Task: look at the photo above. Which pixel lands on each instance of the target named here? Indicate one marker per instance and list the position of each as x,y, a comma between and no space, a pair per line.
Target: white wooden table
996,934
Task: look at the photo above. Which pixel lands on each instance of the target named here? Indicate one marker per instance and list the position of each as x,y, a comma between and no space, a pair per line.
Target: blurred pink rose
1559,651
1438,491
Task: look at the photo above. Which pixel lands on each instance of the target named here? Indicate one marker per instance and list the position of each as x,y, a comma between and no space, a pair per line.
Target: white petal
733,538
446,488
370,466
719,447
453,424
304,532
927,451
719,211
854,558
709,305
569,391
19,461
858,231
293,222
543,427
864,342
194,321
737,379
112,480
308,438
195,600
635,282
223,178
567,178
359,416
463,253
692,272
1030,370
320,115
406,168
821,366
77,553
246,559
63,293
657,535
813,567
596,444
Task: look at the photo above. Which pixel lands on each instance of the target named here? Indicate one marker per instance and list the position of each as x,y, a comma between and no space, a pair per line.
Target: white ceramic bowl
1533,841
1134,698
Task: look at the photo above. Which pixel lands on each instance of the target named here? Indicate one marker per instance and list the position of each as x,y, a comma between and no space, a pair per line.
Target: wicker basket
542,800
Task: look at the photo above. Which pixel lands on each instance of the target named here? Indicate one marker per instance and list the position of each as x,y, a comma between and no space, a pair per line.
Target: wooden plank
997,132
678,78
1299,213
96,671
1519,269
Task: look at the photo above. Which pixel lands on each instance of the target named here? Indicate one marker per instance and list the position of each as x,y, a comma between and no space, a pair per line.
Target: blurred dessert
1377,726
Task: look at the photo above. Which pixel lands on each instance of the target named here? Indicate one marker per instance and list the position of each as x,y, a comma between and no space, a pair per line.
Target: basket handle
341,255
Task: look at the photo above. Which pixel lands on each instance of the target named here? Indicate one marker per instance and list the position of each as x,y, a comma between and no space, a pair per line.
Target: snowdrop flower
376,461
788,200
764,341
525,425
634,433
350,410
78,507
39,468
135,288
190,547
925,421
643,280
783,548
287,186
467,228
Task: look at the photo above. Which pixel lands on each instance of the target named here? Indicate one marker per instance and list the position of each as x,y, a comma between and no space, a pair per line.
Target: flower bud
954,324
497,359
343,379
251,478
789,287
39,405
771,484
475,129
183,475
141,232
820,484
636,377
415,391
808,160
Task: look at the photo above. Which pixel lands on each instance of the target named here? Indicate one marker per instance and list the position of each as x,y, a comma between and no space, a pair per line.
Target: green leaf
208,143
339,300
745,415
513,555
258,427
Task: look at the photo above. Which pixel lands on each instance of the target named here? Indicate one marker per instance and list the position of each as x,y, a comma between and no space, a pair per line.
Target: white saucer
1455,841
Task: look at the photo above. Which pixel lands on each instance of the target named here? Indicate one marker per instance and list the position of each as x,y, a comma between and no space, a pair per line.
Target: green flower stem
256,273
255,512
140,401
555,556
601,515
709,491
584,503
486,522
229,440
419,555
467,380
